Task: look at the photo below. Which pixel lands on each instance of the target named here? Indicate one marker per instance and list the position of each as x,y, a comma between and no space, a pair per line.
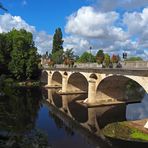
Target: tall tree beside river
57,49
18,55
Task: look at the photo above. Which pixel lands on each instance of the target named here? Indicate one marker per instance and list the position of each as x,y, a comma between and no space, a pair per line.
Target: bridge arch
78,112
93,76
44,77
57,78
77,81
116,87
57,100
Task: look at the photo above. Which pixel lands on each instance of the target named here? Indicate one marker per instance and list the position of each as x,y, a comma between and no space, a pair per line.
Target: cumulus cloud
8,22
90,23
98,28
102,30
78,44
43,41
137,24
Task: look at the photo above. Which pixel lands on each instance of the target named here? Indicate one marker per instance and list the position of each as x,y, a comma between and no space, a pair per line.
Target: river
35,117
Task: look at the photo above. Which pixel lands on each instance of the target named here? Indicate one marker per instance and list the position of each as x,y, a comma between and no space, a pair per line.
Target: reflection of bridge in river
91,118
102,85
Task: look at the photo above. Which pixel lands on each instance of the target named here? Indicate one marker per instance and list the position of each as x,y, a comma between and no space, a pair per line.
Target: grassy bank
122,130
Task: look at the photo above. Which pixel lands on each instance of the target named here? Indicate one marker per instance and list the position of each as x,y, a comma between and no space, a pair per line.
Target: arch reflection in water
91,118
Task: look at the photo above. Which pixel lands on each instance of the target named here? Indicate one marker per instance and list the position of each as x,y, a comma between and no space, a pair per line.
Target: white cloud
103,30
96,27
137,23
43,41
90,23
8,22
78,44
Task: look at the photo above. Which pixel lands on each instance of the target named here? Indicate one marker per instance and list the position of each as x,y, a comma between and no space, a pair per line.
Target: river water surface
34,117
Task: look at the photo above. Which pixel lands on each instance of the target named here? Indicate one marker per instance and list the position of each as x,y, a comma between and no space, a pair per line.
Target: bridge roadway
101,84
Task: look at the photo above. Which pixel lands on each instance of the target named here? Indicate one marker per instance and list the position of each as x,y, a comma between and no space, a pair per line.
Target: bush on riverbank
6,82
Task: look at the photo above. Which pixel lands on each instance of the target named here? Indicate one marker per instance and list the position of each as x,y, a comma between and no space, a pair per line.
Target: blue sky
44,14
112,25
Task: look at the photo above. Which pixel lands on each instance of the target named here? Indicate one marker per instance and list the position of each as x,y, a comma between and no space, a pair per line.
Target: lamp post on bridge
90,48
124,55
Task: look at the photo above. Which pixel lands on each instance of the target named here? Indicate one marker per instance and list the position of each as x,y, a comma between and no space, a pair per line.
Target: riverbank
28,84
127,130
8,83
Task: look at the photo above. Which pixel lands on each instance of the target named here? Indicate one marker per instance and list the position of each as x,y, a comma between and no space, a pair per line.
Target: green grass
136,134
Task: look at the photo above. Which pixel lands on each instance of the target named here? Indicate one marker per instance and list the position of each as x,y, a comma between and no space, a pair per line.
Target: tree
57,57
32,70
2,7
115,58
5,50
57,41
68,56
107,60
134,59
100,56
24,60
86,57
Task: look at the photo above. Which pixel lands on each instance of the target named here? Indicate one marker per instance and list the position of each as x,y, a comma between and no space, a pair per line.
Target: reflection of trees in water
60,124
19,109
18,112
134,91
34,139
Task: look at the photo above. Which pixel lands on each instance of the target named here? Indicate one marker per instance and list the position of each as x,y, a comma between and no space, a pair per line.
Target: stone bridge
100,84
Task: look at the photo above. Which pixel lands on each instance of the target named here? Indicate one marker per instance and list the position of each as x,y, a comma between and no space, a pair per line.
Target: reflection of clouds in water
138,110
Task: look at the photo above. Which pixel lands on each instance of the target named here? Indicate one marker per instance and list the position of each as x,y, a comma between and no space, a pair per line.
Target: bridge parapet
125,65
107,71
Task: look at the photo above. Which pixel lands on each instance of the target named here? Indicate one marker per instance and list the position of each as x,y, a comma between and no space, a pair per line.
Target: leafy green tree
86,57
115,58
69,53
134,59
57,57
17,66
107,60
23,58
57,41
100,56
32,70
5,49
68,56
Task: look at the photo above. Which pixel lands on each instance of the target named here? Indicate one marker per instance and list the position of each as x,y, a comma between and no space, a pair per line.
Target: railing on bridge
124,65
